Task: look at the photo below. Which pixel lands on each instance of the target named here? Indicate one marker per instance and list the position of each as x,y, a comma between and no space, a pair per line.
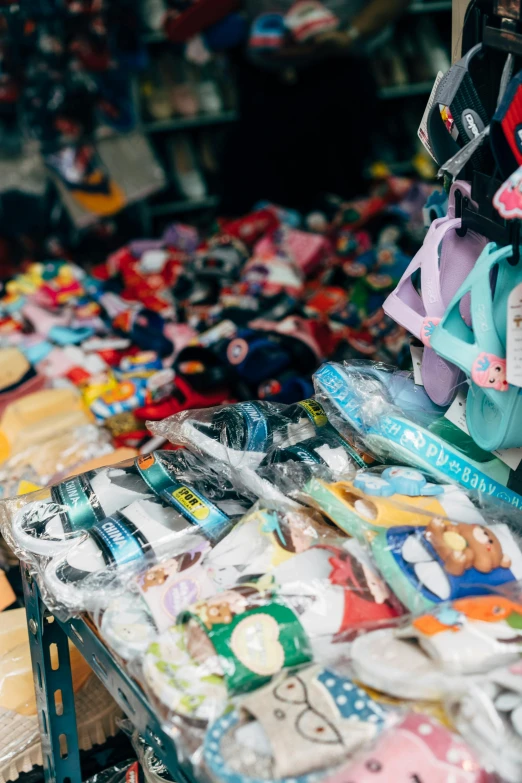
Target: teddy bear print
464,546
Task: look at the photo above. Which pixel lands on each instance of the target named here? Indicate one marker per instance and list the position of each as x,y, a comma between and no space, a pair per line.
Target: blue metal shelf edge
46,630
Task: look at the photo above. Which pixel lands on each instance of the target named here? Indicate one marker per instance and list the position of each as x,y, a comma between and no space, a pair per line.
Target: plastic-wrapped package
20,746
417,748
287,468
152,600
154,770
41,464
187,505
402,427
49,521
241,434
488,714
300,726
306,609
441,651
430,542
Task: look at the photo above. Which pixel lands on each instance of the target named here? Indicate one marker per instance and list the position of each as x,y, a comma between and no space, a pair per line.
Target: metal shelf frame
55,696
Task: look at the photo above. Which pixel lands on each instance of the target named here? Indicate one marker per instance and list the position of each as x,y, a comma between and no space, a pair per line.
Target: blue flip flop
494,408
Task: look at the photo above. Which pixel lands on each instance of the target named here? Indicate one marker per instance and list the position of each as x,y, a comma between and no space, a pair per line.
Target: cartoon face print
489,372
464,546
158,575
310,724
417,750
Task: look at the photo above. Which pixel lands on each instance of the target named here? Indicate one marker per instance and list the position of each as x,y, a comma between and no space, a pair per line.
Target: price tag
456,413
417,352
422,133
514,337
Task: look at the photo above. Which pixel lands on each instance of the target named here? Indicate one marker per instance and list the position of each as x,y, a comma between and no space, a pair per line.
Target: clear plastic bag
96,528
303,723
241,435
403,426
150,601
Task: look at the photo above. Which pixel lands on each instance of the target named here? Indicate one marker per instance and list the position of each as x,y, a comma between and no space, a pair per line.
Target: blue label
430,451
443,459
256,426
117,538
196,508
341,392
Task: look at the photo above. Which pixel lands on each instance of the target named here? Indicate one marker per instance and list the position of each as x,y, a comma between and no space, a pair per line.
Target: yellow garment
39,417
16,674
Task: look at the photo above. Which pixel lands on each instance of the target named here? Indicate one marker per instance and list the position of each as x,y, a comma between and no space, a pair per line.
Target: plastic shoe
444,261
494,409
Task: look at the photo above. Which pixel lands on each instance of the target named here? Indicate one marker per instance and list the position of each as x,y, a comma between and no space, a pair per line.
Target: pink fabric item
306,250
418,749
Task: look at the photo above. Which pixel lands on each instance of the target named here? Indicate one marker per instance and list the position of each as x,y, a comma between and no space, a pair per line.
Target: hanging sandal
493,412
444,261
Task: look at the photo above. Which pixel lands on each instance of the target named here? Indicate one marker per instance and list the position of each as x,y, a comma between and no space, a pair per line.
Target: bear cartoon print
446,560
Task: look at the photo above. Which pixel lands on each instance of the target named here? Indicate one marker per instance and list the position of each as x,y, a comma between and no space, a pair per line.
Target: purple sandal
444,260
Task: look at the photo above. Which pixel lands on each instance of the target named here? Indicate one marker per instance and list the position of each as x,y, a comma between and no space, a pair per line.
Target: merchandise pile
331,568
187,322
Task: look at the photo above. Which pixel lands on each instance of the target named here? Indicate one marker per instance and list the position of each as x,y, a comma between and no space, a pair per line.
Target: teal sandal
494,408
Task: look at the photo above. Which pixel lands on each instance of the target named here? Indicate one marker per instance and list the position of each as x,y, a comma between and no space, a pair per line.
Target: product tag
7,596
422,133
514,337
456,413
417,352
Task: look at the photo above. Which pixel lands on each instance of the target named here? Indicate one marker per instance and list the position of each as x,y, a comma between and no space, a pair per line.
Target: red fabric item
180,27
186,398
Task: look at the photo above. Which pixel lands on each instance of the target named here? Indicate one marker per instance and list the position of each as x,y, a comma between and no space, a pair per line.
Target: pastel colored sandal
444,261
494,408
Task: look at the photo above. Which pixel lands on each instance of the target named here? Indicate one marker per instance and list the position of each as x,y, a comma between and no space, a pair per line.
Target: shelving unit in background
400,102
396,99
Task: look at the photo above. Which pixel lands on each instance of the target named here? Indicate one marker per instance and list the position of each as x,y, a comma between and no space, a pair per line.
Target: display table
58,726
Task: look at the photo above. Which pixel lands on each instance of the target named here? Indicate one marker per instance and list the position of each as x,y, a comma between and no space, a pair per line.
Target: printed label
256,426
514,337
456,412
117,538
417,352
195,508
315,412
422,132
445,460
82,507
